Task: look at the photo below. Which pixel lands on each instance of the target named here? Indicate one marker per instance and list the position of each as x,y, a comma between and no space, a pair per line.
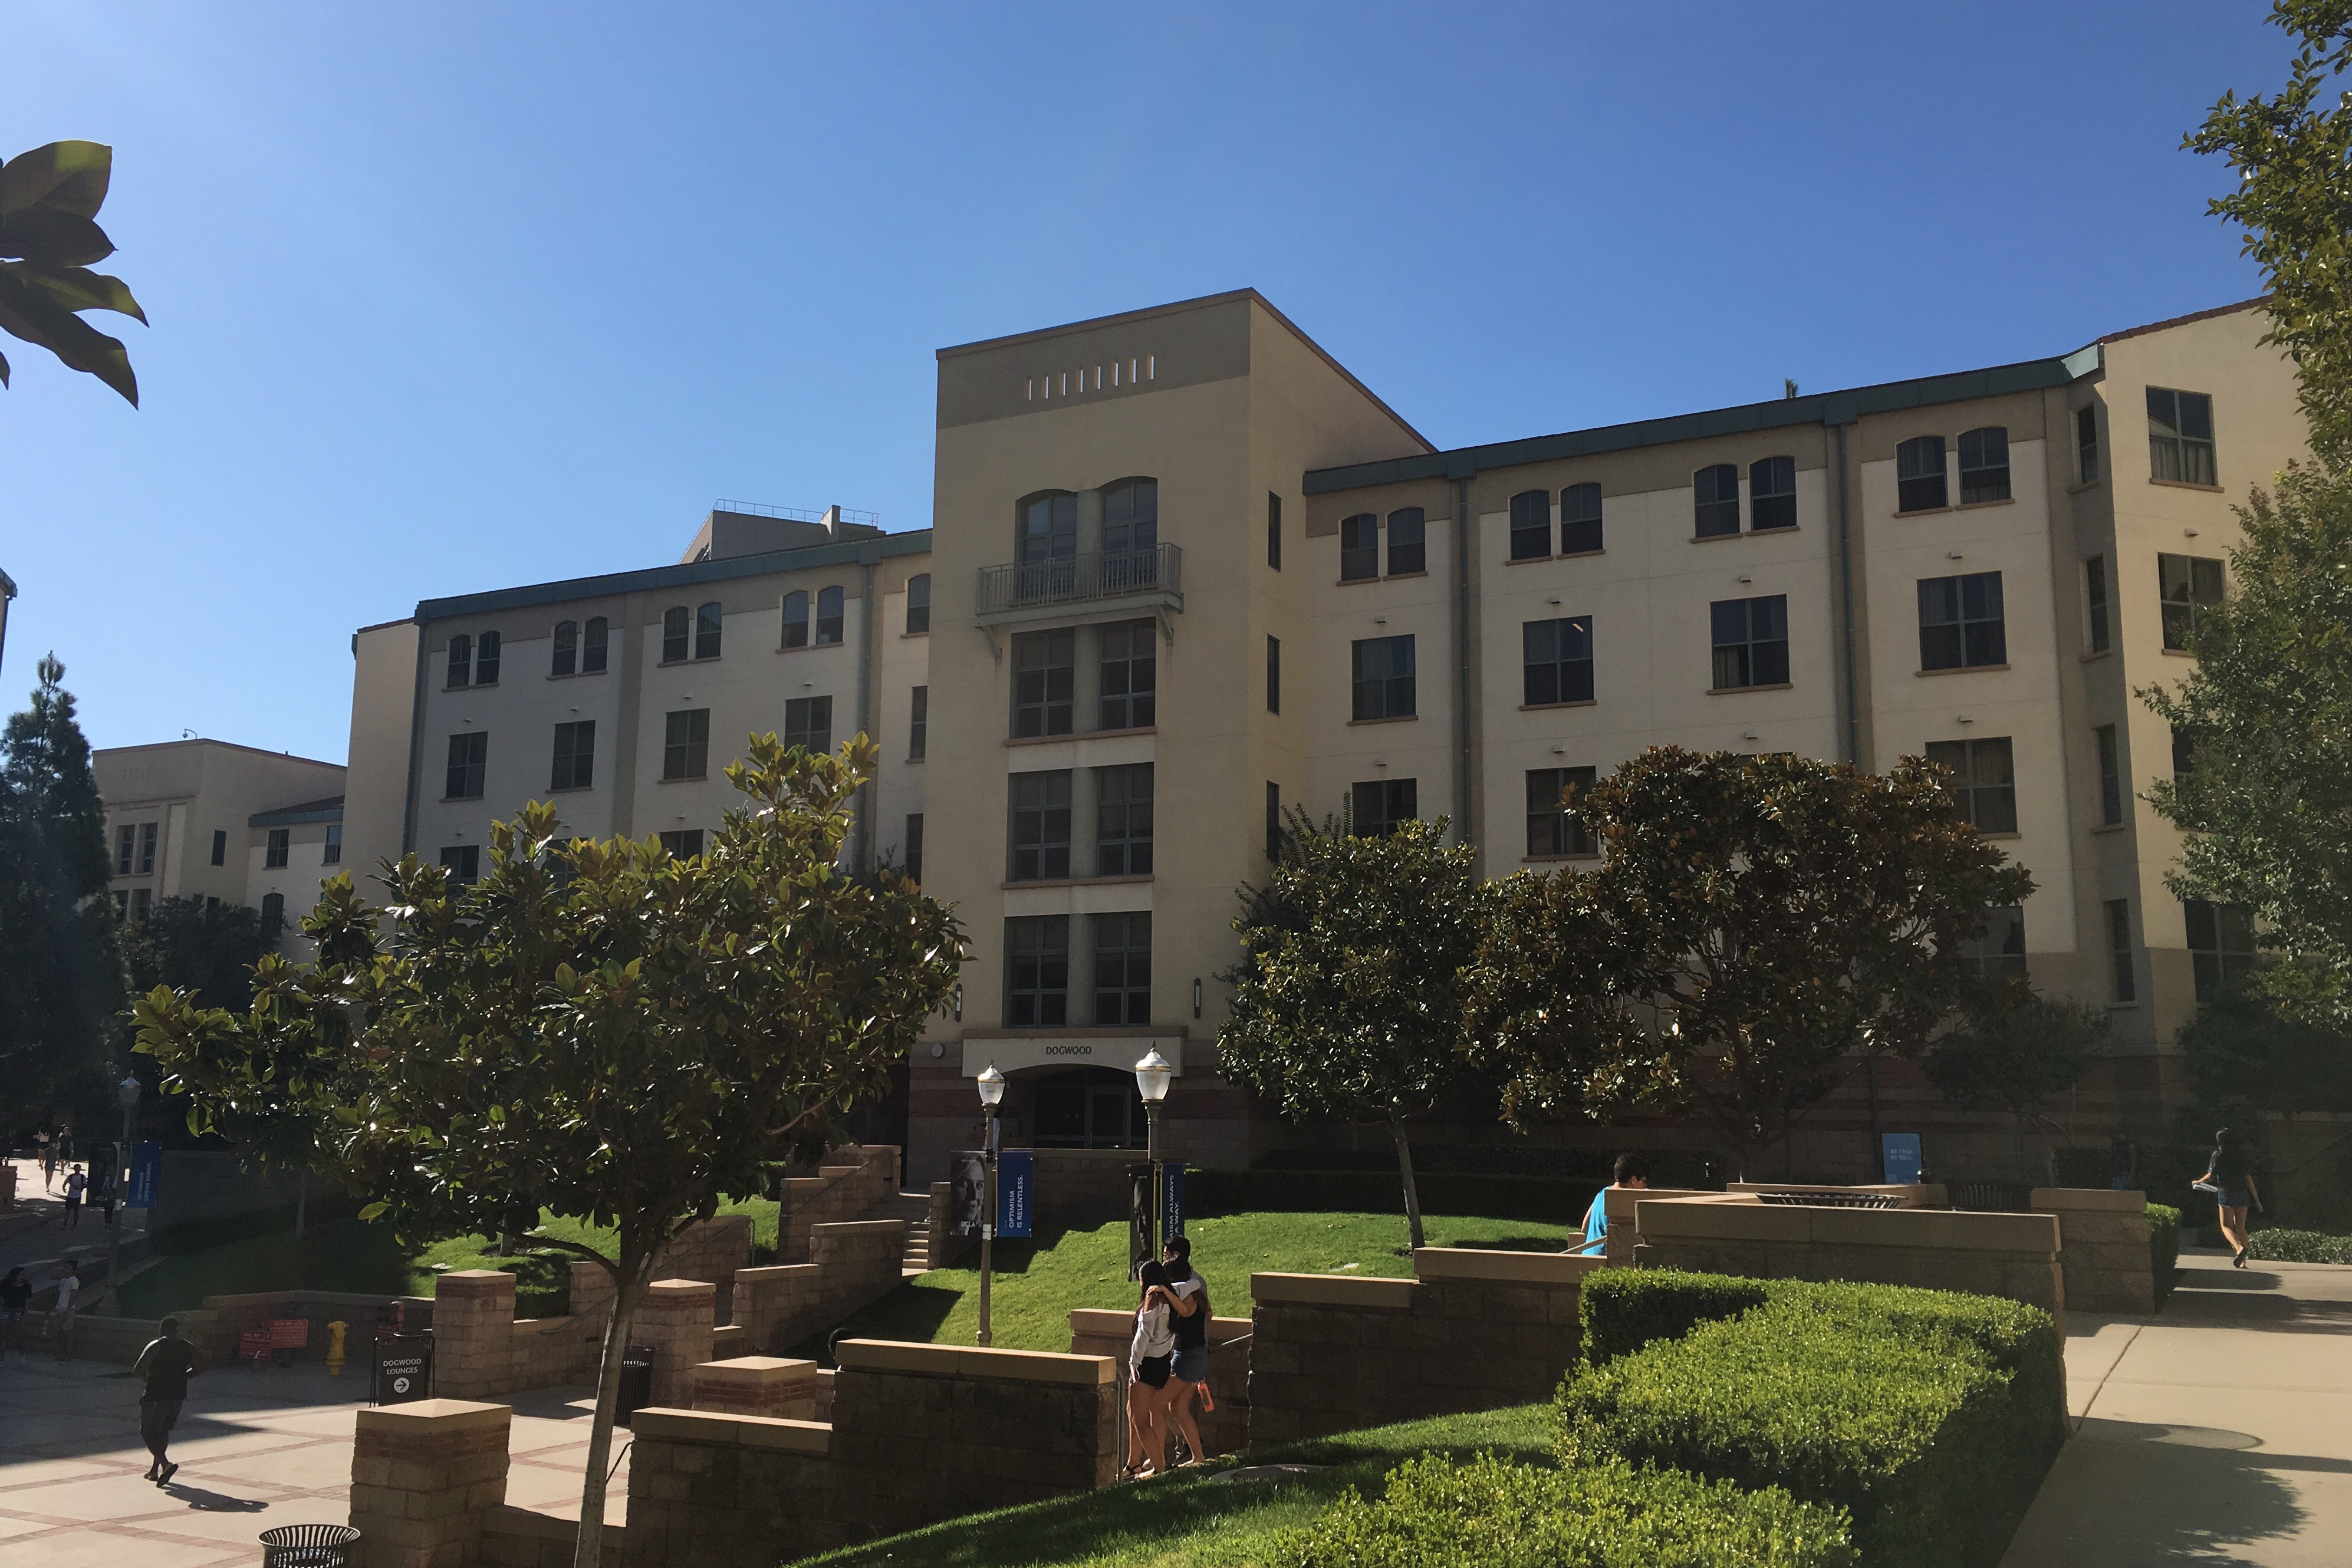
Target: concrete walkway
2219,1431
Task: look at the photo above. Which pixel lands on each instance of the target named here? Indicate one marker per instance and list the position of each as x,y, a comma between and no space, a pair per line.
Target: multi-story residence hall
1186,570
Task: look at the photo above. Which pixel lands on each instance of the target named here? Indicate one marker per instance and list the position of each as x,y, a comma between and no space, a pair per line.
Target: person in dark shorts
1188,1302
76,1185
2230,1177
1149,1359
164,1369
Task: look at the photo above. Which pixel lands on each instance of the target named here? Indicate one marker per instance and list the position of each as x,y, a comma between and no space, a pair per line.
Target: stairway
915,1208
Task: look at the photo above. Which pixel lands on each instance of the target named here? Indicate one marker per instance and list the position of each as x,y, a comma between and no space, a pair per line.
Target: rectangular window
686,744
1558,661
1383,679
708,627
1772,494
1274,531
830,616
1919,475
797,620
2188,583
1751,642
486,661
2111,777
333,853
919,724
1553,826
147,831
2220,945
143,903
122,904
1579,520
220,846
1715,496
2095,598
462,862
1130,678
2184,753
1984,466
1044,675
1123,820
592,645
1961,626
273,915
808,724
1037,840
1122,969
1360,548
563,654
2086,443
461,662
682,844
2180,437
1984,780
919,604
469,759
2000,949
914,846
2119,949
1273,835
1274,675
575,757
1531,525
126,845
1408,542
1378,806
280,842
677,635
1037,971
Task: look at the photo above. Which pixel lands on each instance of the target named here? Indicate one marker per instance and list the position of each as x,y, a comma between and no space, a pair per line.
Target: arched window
919,604
1408,549
273,915
486,660
1131,516
592,646
676,634
1579,520
1359,547
1919,475
828,616
1772,494
706,632
796,626
566,656
1531,525
1984,465
461,660
1049,527
1715,492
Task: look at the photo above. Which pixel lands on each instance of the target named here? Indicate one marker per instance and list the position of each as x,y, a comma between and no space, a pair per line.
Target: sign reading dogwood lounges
1119,1052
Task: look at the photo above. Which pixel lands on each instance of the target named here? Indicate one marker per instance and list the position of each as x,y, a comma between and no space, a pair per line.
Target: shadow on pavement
2172,1493
213,1501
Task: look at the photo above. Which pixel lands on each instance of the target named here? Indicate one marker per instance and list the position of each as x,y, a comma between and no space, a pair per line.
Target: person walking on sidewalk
61,1316
164,1369
2230,1177
48,1147
77,1184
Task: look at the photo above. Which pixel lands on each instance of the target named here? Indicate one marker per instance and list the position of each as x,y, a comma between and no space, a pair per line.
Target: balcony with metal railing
1106,581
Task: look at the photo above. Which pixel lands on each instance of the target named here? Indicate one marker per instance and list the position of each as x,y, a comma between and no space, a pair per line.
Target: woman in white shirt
1149,1356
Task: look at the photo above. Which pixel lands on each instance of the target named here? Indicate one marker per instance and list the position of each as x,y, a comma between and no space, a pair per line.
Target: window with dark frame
220,847
2184,752
2119,949
796,619
1554,826
914,850
470,759
1044,676
2086,445
2111,777
333,854
682,844
1984,466
1984,782
677,635
2186,584
1751,642
486,659
2220,945
280,842
1378,806
1531,525
1579,520
1999,948
1088,1108
1132,517
1360,548
1772,494
1037,971
1123,820
2095,597
686,744
1273,530
593,640
1961,622
126,845
919,604
1037,839
1130,675
461,660
1122,969
2180,437
829,617
575,766
1382,673
564,656
919,724
1715,499
808,724
147,831
1274,675
462,862
1049,529
1274,833
273,906
1408,551
1558,661
1919,481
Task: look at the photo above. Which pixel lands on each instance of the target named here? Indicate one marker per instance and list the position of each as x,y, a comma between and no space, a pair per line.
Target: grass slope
1190,1517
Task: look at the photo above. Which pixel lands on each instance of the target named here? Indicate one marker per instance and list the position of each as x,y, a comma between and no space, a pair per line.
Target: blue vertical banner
1016,1177
146,1174
1901,1153
1171,1201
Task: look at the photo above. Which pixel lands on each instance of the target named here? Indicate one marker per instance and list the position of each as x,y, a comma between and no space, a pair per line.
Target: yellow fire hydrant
335,1349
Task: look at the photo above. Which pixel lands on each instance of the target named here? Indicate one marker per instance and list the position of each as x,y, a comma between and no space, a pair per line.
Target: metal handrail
794,514
1073,579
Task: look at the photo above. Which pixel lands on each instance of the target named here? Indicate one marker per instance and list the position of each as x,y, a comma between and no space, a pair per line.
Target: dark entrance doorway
1088,1108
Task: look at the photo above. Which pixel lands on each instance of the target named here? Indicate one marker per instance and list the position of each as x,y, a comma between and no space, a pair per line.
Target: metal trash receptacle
637,1383
308,1546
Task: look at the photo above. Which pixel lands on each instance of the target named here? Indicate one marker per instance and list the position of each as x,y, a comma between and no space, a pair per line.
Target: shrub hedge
1487,1512
1210,1193
2163,1244
2299,1247
1625,1309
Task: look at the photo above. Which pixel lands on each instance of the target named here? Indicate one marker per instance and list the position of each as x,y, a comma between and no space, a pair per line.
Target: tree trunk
1877,1160
1404,1169
629,1285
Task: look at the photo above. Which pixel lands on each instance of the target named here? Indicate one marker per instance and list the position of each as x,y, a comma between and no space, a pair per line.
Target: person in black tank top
1190,1368
2230,1176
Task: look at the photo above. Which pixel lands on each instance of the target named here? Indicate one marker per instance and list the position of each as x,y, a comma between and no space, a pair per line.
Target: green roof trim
686,574
328,810
1821,408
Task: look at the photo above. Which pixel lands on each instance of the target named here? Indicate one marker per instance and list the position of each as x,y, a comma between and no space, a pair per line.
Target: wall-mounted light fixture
1196,995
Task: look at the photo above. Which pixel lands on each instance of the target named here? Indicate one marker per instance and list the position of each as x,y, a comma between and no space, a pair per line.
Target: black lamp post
126,1095
1152,1075
991,1096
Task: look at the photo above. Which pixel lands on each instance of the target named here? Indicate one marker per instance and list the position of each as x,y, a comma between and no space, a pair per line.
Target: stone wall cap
973,1360
1120,1322
434,1416
676,1288
472,1279
757,1364
1334,1290
774,1272
2099,1198
1519,1267
859,1226
1742,1219
1914,1195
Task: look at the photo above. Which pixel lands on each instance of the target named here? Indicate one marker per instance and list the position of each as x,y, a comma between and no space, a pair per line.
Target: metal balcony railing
1075,578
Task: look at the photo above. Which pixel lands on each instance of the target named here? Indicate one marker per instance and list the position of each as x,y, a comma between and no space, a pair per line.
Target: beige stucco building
1185,569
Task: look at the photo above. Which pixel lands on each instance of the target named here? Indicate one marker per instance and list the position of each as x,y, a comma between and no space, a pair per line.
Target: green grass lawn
1191,1518
1037,1283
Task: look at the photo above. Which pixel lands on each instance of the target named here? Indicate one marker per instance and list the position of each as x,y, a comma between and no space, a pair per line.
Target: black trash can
308,1546
637,1382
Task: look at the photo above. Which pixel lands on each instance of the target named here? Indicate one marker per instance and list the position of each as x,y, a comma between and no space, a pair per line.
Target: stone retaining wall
851,1265
942,1246
859,1180
1225,1430
515,1537
425,1477
2103,1248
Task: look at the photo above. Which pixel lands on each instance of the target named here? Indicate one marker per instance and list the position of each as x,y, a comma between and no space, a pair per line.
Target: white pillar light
991,1084
1152,1075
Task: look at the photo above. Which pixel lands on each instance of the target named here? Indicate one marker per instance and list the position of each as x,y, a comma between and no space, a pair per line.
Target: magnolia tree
2016,1052
596,1028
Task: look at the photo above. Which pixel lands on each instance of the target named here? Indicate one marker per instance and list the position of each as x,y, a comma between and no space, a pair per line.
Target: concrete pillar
473,1334
674,1318
424,1476
757,1385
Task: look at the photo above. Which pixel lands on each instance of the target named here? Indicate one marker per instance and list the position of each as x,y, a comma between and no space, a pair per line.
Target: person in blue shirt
1631,1172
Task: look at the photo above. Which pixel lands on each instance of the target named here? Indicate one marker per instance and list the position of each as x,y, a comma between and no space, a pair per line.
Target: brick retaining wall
851,1265
424,1478
2102,1246
859,1180
1225,1430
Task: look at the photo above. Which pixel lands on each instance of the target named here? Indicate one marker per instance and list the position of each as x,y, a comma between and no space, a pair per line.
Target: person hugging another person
1632,1172
1190,1327
1149,1357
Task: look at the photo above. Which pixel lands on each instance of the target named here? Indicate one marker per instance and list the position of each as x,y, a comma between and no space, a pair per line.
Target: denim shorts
1192,1364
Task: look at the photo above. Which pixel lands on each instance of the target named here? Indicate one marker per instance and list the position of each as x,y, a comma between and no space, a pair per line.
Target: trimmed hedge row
2299,1247
1210,1193
2163,1245
1487,1512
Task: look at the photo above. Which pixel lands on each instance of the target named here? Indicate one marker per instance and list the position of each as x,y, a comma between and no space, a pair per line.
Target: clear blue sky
447,297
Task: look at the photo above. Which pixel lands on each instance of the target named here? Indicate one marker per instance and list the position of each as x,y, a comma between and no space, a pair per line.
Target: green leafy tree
49,236
202,946
61,979
1781,918
595,1028
2017,1050
2242,1048
1347,1000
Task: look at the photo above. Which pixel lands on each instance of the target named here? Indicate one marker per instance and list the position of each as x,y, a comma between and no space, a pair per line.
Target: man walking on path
164,1369
76,1185
61,1316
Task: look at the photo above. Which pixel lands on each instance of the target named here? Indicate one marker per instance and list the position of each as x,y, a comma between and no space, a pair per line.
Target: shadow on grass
909,1313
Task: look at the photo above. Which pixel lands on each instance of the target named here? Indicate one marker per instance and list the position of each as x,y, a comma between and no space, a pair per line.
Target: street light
126,1095
991,1084
1152,1075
